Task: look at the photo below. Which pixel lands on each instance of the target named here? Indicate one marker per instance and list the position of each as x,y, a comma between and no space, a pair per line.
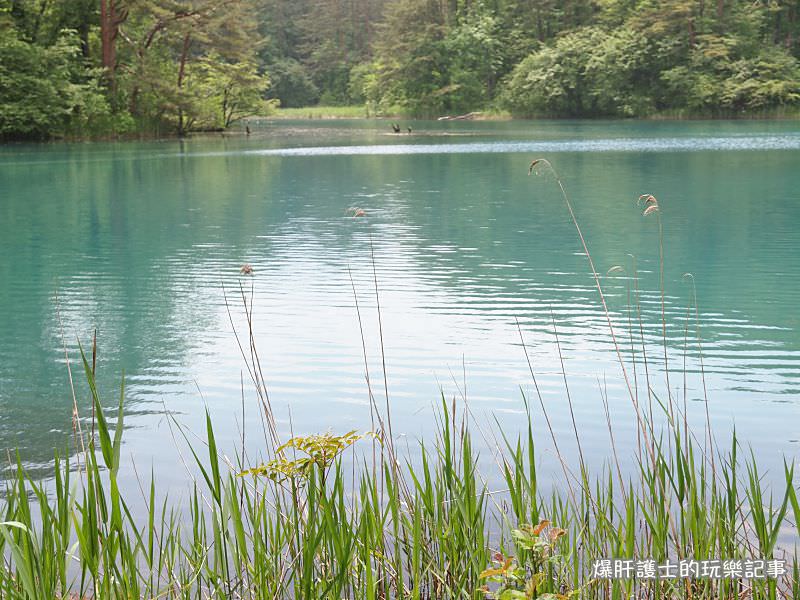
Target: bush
47,91
716,81
590,72
594,72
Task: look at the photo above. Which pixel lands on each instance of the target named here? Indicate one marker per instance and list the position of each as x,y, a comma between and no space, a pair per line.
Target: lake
144,242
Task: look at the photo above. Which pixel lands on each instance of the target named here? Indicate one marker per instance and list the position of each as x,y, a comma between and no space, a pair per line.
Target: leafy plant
321,451
522,579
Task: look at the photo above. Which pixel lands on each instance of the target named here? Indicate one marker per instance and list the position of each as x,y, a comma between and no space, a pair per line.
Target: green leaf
23,566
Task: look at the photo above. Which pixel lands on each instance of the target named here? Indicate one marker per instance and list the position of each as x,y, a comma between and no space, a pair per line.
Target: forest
110,68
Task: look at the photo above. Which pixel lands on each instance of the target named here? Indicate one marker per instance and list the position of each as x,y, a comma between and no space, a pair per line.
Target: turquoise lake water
144,240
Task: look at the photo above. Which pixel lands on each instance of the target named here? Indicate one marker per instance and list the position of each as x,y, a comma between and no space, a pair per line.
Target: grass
303,525
493,113
324,112
366,112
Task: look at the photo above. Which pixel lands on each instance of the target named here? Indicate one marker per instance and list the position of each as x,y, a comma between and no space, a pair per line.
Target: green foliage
411,58
539,566
622,58
560,79
590,72
718,81
476,52
193,65
46,91
429,68
177,66
539,561
225,93
594,72
42,22
292,84
321,450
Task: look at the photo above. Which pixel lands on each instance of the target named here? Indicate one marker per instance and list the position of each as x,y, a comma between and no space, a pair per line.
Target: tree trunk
187,40
107,36
111,17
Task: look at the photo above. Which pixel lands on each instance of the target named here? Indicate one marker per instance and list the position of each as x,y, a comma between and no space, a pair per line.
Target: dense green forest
84,68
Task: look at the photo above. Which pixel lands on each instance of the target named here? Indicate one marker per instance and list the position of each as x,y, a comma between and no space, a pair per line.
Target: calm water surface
144,240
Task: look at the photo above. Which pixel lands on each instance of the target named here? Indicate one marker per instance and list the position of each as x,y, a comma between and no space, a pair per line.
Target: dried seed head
647,199
650,209
534,163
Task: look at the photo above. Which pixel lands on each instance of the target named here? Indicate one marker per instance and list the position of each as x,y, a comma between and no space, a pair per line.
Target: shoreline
317,114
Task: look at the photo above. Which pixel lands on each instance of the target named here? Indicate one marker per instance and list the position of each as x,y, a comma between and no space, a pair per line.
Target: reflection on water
144,241
764,142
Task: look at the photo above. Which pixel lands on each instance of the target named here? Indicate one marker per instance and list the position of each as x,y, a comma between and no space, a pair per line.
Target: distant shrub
717,80
47,91
589,72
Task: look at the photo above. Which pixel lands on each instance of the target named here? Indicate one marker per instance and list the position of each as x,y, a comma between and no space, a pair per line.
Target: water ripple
675,144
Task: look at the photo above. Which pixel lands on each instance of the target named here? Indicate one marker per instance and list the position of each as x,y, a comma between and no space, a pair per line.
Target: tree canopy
584,58
100,67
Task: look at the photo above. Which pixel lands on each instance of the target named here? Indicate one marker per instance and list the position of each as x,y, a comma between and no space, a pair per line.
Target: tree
171,66
411,57
590,72
718,82
45,91
227,92
113,13
172,45
291,84
477,59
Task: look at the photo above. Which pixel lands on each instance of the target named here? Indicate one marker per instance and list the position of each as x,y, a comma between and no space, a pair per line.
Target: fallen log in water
466,117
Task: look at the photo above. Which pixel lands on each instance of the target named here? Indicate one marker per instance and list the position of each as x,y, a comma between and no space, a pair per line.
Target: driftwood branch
466,117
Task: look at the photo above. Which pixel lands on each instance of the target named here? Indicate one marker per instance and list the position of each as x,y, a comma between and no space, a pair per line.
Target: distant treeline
97,67
584,58
565,58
